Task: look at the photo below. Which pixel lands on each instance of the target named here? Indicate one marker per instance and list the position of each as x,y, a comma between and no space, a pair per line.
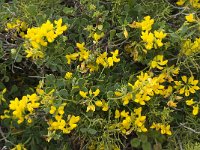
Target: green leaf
60,83
146,146
70,50
88,130
135,142
143,138
81,82
50,79
63,93
119,35
32,9
110,94
92,131
14,89
112,34
19,58
75,89
157,146
68,11
83,130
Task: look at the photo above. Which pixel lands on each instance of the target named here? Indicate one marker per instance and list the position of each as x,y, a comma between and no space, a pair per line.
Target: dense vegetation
99,74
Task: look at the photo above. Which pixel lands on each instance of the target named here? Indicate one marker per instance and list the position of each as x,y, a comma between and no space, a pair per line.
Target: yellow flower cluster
140,120
65,126
97,37
59,123
193,3
84,94
187,86
135,121
190,18
145,24
150,39
38,37
125,98
84,55
103,104
146,86
108,61
153,40
158,62
194,105
19,147
190,47
91,104
68,75
126,120
19,26
164,129
23,109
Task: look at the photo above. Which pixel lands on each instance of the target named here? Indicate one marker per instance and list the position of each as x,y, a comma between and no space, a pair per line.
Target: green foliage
99,74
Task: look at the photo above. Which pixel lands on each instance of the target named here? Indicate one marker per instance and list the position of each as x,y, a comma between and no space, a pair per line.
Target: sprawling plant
111,75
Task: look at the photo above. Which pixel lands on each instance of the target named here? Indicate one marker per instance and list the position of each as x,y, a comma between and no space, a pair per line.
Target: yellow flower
142,98
190,18
34,53
40,36
90,107
117,93
127,98
71,57
158,62
105,106
50,36
148,38
190,102
125,33
68,75
189,85
117,114
156,126
59,28
160,35
73,121
102,59
83,94
138,111
147,23
126,123
115,54
180,2
97,37
96,93
52,110
92,67
171,104
166,130
19,147
159,43
30,120
99,103
61,110
124,114
110,61
84,55
80,46
195,110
